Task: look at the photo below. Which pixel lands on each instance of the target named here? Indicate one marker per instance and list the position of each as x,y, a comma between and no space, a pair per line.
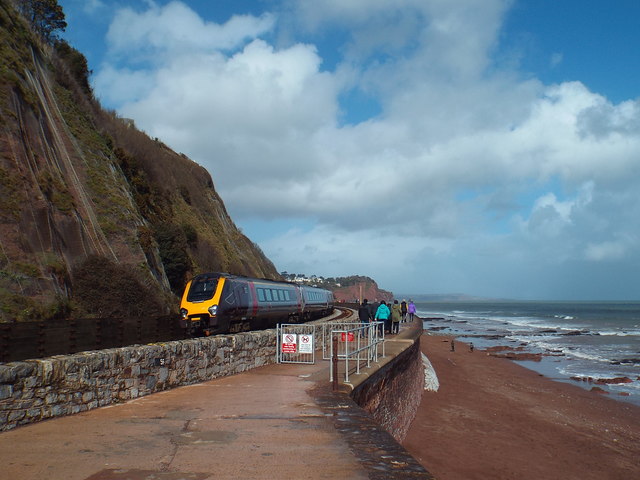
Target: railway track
345,312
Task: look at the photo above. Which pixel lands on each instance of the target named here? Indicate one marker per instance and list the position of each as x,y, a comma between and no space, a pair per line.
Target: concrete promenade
273,422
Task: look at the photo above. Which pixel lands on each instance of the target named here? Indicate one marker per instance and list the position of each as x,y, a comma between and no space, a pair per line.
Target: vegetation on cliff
86,199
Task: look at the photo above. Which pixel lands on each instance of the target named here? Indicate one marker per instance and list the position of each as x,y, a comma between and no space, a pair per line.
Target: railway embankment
35,390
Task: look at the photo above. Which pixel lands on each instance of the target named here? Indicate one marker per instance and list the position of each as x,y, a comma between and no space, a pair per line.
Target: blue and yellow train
222,303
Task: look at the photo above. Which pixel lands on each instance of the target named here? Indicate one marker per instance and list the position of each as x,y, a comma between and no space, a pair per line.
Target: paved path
274,422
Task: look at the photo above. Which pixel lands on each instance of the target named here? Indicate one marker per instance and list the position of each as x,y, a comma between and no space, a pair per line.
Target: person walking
373,308
411,309
382,314
364,313
403,309
396,317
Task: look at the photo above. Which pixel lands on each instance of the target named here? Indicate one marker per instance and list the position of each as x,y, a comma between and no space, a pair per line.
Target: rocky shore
492,418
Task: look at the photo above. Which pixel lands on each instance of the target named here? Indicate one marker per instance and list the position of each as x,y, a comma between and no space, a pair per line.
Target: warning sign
347,337
306,343
289,343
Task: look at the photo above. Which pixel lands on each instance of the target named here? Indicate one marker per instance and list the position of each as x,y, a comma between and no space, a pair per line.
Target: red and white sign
289,343
348,337
306,343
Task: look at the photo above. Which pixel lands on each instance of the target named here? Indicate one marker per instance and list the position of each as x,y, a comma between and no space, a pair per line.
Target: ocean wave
567,350
633,387
619,333
577,353
579,371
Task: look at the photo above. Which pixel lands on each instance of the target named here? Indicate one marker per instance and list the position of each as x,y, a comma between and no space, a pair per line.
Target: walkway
274,422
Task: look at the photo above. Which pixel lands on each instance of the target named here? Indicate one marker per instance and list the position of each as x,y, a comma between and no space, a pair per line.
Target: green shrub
172,245
103,288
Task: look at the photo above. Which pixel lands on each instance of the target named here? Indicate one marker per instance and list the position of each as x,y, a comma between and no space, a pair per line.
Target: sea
580,342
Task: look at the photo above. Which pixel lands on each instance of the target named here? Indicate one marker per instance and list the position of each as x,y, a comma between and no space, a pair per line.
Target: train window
260,294
274,292
202,288
286,295
267,294
281,295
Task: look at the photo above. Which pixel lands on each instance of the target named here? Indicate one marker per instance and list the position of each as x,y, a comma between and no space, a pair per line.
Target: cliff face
86,198
365,289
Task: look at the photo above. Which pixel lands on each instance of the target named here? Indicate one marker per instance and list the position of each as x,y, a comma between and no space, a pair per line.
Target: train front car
199,305
217,303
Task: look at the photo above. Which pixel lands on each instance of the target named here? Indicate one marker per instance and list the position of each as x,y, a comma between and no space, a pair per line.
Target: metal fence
327,334
296,343
357,344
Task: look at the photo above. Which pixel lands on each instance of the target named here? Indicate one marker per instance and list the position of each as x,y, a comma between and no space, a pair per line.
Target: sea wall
392,393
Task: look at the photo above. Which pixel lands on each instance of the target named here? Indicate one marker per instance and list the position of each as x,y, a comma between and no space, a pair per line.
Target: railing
361,343
327,334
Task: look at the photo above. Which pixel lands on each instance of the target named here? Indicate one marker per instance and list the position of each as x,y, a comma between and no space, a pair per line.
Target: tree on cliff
45,16
77,66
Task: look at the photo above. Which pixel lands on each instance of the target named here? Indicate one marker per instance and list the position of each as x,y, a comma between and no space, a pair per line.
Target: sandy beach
494,419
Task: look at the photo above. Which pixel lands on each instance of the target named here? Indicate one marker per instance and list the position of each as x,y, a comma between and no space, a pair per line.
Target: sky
484,147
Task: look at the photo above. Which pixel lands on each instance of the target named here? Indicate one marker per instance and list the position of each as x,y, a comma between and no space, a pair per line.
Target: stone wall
393,393
34,390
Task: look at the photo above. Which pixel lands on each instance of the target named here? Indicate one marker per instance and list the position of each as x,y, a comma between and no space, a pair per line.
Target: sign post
289,343
306,344
347,336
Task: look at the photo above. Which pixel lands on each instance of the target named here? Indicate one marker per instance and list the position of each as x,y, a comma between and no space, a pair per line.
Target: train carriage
317,302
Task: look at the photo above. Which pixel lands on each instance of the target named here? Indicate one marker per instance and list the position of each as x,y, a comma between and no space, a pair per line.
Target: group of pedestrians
390,315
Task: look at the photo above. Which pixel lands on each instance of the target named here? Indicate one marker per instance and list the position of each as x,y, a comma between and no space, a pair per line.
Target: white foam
577,353
566,350
619,333
431,382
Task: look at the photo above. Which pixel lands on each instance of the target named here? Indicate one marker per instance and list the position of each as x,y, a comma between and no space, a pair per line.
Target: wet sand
494,419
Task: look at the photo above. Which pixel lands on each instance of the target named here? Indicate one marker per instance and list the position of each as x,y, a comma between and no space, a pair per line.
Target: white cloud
121,86
611,250
467,166
605,120
175,28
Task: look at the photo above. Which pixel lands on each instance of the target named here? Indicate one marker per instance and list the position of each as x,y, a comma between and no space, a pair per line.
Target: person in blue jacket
383,314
